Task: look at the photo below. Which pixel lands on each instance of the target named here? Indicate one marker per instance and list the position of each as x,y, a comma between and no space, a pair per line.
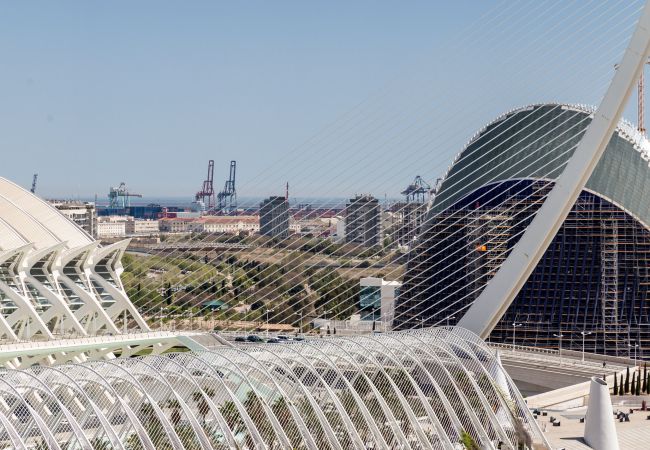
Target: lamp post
422,323
635,346
161,317
584,333
267,321
560,336
515,325
449,318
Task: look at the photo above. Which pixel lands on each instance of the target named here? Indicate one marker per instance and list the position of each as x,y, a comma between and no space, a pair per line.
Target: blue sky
94,93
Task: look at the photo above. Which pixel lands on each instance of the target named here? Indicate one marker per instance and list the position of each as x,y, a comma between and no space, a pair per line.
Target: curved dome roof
535,142
25,218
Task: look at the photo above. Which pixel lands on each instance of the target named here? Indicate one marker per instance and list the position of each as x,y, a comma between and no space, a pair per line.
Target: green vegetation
468,441
182,285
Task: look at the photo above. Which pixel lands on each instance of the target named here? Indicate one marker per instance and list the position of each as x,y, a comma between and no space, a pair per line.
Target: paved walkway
632,435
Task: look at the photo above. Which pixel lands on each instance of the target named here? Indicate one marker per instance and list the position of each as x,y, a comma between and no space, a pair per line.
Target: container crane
206,194
227,199
418,191
120,197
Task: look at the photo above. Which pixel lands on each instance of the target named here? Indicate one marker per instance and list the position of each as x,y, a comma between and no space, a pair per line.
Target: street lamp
449,318
560,336
636,345
301,322
515,325
267,321
584,333
422,322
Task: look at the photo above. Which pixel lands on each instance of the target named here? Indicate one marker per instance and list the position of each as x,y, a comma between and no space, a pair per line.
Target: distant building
338,229
362,221
141,227
81,213
377,299
228,224
274,217
176,225
111,226
411,216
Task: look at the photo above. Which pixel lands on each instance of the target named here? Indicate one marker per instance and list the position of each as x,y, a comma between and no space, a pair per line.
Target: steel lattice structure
420,389
55,279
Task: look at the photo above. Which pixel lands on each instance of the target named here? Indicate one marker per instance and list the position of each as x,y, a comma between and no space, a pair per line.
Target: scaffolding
594,277
609,291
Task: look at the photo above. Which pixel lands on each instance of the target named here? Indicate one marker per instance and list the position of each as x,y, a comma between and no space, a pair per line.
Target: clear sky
94,93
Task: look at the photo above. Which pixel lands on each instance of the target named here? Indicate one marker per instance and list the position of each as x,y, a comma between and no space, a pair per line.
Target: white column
600,431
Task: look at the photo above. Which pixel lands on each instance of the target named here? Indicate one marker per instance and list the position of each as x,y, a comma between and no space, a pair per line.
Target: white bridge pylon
501,290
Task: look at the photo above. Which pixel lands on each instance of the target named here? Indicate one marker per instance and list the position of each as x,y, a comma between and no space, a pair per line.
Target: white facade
230,224
141,227
175,225
110,228
339,234
55,279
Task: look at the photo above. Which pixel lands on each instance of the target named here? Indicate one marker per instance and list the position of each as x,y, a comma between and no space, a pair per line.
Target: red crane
206,194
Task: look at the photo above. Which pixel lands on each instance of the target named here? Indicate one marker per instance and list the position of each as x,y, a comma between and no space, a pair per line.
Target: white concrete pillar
600,430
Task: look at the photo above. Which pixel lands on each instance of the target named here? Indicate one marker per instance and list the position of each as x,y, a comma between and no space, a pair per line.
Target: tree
621,386
615,384
199,397
633,384
169,294
175,406
468,441
627,381
637,391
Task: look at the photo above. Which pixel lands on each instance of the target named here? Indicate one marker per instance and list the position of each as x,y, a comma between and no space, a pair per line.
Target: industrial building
81,213
593,281
274,217
363,221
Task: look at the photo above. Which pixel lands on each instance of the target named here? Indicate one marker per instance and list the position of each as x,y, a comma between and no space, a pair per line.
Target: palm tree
201,404
175,406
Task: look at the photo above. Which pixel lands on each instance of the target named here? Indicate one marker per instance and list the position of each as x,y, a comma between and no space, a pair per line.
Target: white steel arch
417,389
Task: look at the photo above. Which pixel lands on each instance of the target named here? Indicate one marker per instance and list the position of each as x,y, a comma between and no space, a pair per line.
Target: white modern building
55,279
377,299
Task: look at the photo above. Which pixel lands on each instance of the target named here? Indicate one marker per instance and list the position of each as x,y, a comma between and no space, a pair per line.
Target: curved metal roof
535,142
36,221
421,389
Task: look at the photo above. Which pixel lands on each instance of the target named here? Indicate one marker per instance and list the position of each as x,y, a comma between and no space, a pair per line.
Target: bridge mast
489,307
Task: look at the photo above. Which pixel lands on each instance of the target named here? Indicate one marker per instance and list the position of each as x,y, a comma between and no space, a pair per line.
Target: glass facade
370,302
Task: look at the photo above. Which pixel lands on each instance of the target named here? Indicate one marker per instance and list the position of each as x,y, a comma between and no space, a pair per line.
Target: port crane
206,194
418,191
227,199
120,197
